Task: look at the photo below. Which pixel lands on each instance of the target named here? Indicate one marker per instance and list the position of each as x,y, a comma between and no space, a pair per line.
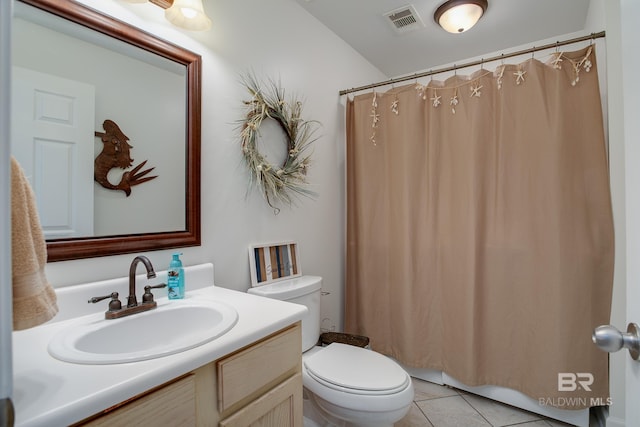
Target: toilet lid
342,366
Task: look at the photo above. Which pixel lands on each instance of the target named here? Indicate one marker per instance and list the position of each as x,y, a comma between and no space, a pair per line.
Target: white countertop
49,392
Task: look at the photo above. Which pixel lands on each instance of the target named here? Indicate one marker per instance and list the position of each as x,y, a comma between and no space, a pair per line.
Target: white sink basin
174,326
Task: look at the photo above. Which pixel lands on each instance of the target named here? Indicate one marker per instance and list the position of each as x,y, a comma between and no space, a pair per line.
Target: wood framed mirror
185,228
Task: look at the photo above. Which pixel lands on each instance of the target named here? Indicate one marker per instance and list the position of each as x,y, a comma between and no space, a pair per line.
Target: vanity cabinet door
280,407
170,405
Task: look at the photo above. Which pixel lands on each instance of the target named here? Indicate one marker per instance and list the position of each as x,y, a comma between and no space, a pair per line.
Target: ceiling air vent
404,19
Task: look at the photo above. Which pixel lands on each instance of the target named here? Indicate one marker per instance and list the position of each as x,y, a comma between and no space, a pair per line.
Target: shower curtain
480,230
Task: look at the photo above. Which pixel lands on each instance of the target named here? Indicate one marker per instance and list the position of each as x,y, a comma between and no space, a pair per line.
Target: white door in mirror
52,138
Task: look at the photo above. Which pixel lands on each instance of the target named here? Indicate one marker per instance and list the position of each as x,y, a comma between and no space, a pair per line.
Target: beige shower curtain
479,227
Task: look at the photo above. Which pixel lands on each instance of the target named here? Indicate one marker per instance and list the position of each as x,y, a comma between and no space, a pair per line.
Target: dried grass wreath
279,183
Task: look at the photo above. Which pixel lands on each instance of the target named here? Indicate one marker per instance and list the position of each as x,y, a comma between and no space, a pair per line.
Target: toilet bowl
356,386
344,385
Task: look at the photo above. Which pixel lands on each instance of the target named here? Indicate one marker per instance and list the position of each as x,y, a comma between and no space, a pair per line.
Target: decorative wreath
279,183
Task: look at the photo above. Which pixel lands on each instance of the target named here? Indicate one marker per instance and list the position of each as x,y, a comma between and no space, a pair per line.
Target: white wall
275,39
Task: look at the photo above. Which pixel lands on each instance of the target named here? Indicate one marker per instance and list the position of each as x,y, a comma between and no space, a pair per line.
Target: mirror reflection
67,83
72,80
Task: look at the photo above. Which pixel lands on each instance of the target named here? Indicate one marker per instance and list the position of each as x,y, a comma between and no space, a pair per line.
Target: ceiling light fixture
188,14
457,16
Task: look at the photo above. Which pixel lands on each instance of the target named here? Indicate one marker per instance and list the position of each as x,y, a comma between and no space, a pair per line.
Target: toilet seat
356,370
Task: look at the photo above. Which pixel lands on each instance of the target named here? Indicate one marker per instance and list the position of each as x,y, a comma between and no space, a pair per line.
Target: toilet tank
304,290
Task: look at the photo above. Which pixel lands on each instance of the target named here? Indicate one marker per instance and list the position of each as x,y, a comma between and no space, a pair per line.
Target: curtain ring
502,59
557,46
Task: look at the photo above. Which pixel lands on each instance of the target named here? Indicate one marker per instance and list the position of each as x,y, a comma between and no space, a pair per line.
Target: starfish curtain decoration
394,105
435,100
454,101
500,75
375,116
519,76
475,90
557,59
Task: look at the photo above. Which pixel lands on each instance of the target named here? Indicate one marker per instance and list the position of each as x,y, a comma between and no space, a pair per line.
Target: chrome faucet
115,310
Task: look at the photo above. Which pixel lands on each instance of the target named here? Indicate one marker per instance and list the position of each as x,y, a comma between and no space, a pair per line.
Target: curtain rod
592,36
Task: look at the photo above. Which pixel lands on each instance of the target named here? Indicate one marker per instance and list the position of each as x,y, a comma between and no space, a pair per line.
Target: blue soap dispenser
175,278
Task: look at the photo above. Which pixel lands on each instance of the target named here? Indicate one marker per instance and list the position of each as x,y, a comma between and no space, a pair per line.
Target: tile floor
442,406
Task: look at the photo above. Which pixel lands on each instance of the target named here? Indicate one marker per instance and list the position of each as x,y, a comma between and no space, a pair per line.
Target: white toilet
344,385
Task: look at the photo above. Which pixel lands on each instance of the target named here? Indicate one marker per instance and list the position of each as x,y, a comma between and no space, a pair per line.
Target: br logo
568,381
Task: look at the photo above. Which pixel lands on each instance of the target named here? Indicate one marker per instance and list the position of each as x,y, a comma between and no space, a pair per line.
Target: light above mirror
458,16
186,14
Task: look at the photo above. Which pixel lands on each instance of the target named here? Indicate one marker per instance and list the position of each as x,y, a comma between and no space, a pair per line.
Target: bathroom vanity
236,390
250,375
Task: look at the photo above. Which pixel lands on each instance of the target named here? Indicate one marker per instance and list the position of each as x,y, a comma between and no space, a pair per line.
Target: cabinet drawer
280,407
250,372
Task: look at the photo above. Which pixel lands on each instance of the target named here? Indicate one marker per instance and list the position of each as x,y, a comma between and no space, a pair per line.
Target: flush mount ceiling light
457,16
188,14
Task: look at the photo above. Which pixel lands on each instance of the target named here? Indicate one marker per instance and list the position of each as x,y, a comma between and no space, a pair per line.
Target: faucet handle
114,304
148,296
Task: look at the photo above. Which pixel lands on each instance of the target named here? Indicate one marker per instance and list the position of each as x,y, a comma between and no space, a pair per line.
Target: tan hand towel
34,300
